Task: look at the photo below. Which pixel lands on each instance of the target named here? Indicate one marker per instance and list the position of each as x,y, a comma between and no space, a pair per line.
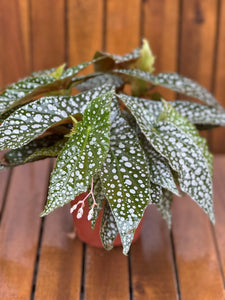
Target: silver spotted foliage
125,178
33,119
83,154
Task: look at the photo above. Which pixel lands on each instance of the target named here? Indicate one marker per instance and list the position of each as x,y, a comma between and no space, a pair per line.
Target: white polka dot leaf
126,146
83,154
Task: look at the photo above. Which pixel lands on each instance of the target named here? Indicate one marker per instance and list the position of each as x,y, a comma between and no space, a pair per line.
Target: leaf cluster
136,149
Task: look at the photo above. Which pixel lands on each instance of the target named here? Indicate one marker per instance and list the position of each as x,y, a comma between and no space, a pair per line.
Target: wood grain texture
106,274
219,199
152,265
60,264
48,33
122,25
85,21
19,231
4,177
197,261
15,60
198,41
218,137
160,26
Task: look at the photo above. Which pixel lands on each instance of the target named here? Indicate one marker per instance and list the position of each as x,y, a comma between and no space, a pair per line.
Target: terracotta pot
86,233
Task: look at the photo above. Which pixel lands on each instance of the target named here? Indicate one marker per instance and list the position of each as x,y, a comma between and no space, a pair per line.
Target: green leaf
186,158
99,198
31,120
106,61
57,73
174,82
196,113
159,169
125,178
160,172
163,200
51,151
99,81
82,156
30,87
109,230
182,153
18,156
169,114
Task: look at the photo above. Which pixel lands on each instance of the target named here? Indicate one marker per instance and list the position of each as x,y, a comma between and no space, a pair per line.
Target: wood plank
122,25
48,33
151,260
160,19
19,231
14,40
4,177
106,274
219,175
197,261
60,259
218,135
160,26
85,20
197,44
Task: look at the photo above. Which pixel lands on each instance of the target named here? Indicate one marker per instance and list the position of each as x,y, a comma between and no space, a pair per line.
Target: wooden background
187,36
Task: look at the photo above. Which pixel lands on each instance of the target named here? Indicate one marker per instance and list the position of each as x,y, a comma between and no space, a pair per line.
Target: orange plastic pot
91,236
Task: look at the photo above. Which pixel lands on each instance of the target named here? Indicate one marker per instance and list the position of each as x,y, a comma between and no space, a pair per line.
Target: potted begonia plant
116,152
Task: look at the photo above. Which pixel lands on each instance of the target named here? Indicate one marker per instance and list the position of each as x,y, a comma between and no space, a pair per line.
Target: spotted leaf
125,178
169,114
18,156
174,82
198,114
51,151
99,198
39,83
99,81
186,158
82,156
31,120
160,172
162,199
108,230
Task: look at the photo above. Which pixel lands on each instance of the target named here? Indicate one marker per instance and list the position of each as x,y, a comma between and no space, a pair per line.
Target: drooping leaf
108,231
50,151
160,172
82,156
186,158
182,153
163,200
109,61
99,198
30,87
125,178
31,120
159,169
169,114
198,114
100,80
174,82
20,155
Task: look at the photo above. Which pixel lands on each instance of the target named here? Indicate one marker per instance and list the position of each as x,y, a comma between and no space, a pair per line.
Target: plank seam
66,46
104,24
5,194
215,61
130,277
218,253
83,267
41,231
175,268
